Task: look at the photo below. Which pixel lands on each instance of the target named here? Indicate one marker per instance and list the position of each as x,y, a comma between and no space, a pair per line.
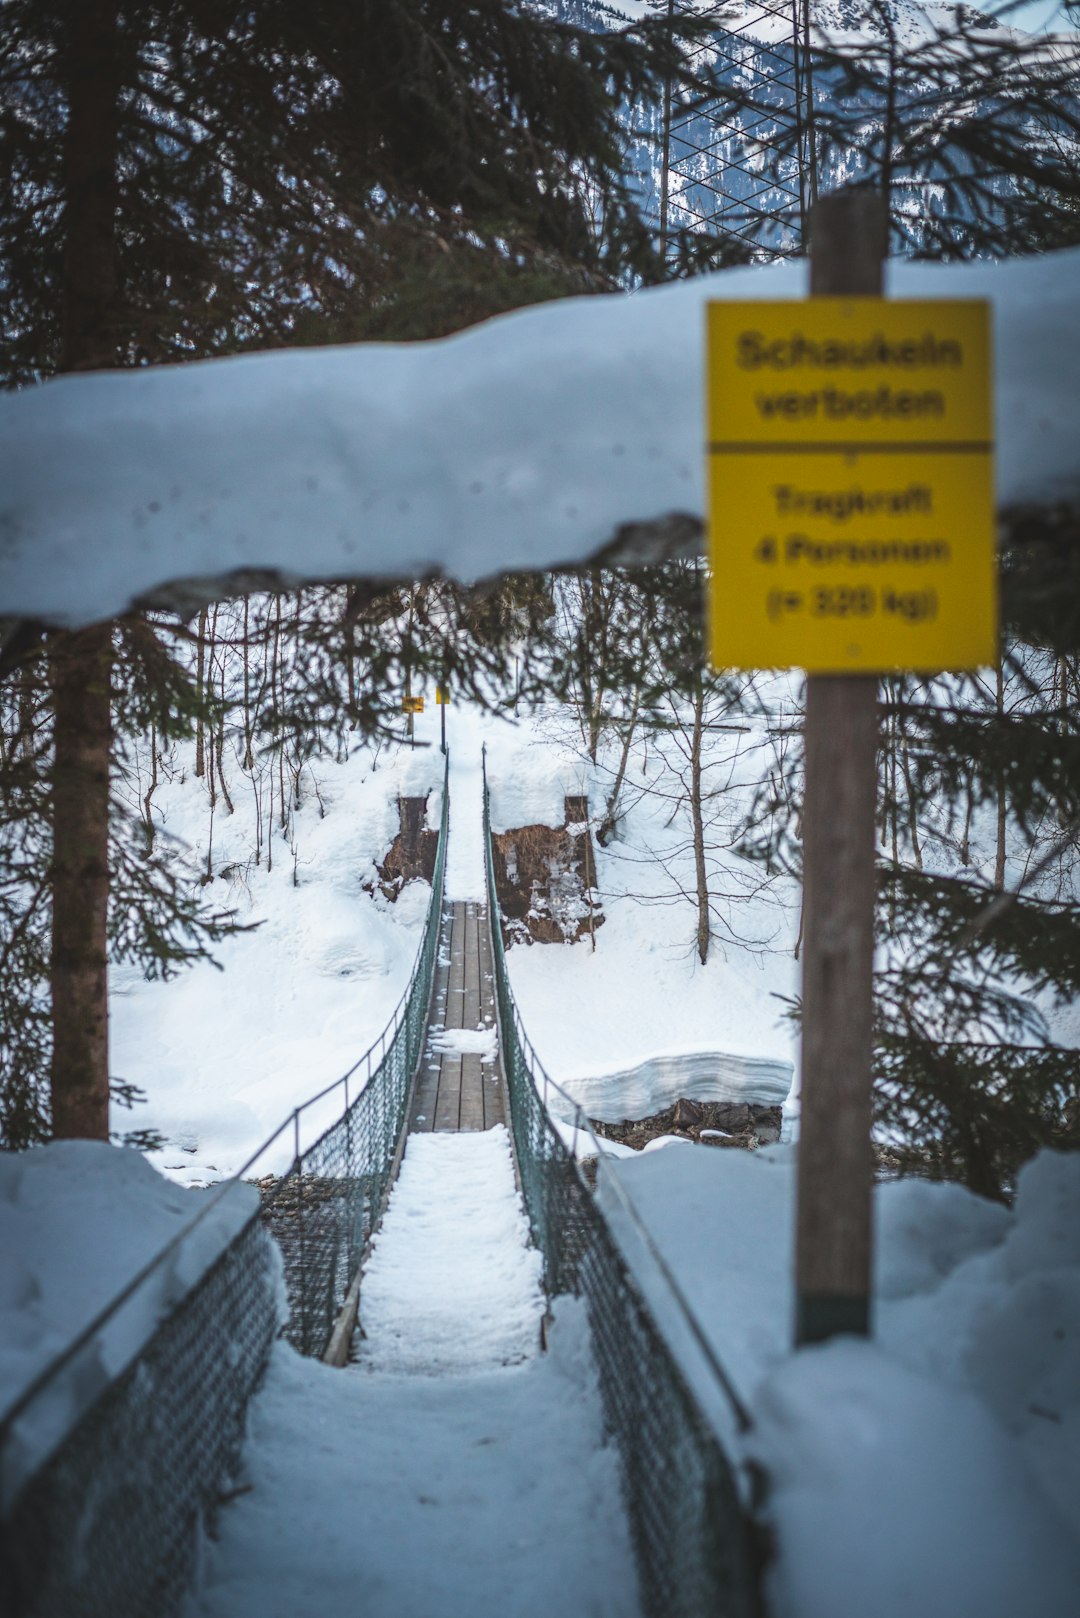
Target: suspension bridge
422,1242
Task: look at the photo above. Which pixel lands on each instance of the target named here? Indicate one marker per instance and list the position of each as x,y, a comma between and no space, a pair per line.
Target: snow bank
737,1269
224,1056
78,1221
531,775
658,1081
896,1495
524,442
934,1470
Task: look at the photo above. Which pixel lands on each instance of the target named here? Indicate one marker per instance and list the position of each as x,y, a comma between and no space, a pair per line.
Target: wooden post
834,1228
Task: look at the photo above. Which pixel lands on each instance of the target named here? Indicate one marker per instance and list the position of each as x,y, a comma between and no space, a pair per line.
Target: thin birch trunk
607,825
200,688
697,819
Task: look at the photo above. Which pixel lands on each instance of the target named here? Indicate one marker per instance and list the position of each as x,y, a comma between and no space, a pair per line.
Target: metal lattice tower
741,165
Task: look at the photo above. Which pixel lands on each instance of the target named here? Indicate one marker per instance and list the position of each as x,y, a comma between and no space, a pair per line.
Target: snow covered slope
613,1025
224,1056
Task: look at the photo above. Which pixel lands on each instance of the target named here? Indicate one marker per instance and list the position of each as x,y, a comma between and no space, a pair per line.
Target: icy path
465,878
469,1481
452,1284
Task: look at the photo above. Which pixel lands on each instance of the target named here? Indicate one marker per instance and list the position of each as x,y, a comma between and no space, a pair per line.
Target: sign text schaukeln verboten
851,485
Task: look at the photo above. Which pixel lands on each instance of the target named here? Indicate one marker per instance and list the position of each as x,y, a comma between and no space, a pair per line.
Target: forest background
184,181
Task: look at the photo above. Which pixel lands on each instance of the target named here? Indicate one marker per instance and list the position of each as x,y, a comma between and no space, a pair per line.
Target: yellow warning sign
851,511
442,695
412,705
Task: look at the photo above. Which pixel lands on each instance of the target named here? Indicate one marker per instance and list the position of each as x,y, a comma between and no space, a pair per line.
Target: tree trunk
91,193
249,757
81,663
200,687
611,810
969,811
697,820
80,667
1002,806
222,782
913,818
281,699
152,788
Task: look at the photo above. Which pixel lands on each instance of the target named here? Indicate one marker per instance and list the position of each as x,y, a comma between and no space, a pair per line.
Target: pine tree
81,664
278,167
970,127
974,947
185,179
970,1080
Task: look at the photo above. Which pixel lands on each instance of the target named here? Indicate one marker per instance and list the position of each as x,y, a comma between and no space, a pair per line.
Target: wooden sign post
851,532
442,697
834,1212
411,706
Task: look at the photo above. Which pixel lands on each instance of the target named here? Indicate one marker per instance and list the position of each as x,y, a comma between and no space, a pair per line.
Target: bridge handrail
291,1122
689,1525
324,1210
108,1469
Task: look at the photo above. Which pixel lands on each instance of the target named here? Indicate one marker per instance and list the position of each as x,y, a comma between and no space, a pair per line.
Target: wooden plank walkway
459,1091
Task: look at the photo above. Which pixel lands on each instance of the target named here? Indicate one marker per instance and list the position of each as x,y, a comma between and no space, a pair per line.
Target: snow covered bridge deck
453,1469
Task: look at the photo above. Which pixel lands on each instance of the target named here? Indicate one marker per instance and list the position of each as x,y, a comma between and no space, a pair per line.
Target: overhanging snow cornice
540,439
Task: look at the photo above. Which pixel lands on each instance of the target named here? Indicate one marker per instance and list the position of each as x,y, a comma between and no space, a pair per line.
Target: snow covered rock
898,1496
934,1471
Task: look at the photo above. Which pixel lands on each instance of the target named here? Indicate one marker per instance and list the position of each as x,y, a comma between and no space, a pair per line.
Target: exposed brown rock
686,1113
743,1123
412,853
545,880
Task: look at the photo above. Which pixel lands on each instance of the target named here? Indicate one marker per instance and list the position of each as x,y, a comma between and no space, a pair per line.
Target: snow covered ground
643,992
526,441
224,1056
934,1471
455,1470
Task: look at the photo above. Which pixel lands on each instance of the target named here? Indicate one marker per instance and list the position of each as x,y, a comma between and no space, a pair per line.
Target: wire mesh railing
105,1481
324,1209
690,1530
117,1455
